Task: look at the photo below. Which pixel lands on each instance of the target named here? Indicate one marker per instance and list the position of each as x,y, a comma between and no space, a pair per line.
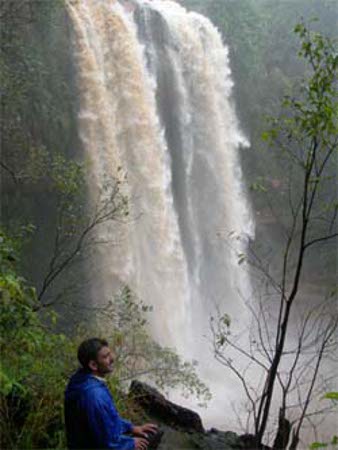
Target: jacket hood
81,381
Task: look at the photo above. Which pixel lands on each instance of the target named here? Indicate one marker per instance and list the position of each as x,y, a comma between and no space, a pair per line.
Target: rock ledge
183,428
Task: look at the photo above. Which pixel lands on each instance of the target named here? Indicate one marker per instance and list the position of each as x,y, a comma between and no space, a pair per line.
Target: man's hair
89,349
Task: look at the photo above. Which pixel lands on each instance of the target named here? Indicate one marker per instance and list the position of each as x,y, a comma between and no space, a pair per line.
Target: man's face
104,361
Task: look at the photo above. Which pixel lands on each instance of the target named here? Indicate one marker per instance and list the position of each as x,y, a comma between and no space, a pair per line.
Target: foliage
38,118
36,359
73,233
331,395
35,362
138,355
334,440
36,97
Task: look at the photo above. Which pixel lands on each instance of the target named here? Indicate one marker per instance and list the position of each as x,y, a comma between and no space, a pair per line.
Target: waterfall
155,99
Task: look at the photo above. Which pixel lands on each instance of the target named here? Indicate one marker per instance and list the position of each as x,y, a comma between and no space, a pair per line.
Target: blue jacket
92,421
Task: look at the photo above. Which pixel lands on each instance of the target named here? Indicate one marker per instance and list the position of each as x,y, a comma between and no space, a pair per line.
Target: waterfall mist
155,107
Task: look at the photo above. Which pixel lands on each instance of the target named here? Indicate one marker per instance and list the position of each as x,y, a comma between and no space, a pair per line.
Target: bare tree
307,138
75,234
303,375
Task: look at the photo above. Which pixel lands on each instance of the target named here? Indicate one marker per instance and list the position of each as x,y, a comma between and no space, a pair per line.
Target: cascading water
155,87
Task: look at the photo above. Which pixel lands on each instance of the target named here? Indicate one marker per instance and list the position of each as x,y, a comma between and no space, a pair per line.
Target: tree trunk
294,442
283,432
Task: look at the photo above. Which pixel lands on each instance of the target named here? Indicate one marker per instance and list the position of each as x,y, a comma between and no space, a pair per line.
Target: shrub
37,360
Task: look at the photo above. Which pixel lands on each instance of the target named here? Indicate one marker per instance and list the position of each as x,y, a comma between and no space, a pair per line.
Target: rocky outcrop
183,428
156,405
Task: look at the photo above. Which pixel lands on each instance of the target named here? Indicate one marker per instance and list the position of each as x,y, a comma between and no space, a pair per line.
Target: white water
155,98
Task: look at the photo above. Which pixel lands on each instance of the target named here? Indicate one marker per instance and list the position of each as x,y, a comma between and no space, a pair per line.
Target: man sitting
92,421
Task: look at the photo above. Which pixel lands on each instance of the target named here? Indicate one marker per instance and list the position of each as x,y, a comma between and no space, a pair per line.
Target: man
92,421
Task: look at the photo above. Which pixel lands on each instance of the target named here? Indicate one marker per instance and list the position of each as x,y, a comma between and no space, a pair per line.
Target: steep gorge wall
39,105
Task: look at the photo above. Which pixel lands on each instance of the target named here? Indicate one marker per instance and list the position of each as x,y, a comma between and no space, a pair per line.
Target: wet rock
182,428
157,406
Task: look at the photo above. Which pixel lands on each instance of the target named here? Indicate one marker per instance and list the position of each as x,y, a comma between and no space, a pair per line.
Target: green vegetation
37,96
38,120
37,360
334,441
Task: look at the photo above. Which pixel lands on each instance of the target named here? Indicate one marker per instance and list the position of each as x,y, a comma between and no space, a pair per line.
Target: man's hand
144,430
141,444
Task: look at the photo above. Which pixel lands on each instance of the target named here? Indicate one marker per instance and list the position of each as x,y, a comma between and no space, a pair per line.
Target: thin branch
10,171
322,239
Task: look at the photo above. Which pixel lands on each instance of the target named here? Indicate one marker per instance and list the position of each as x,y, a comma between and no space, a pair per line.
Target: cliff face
38,120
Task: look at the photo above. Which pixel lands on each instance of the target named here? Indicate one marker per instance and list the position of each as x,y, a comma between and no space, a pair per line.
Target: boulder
182,428
157,406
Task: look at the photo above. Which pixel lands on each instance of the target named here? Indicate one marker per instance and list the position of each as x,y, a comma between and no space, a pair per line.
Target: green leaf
331,395
266,136
6,384
315,445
